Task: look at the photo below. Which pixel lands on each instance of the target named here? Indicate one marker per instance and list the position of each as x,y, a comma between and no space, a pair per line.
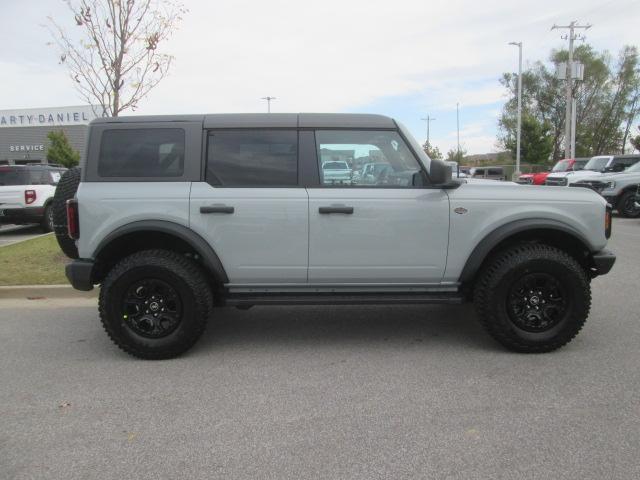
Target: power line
268,99
428,120
569,145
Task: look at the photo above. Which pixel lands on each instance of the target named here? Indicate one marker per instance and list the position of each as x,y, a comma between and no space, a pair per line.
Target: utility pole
458,128
571,36
268,99
516,174
428,120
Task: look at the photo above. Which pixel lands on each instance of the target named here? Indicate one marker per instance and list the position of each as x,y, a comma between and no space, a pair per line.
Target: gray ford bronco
175,215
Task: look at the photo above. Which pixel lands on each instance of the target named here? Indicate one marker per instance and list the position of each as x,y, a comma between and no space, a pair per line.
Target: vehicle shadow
440,326
20,229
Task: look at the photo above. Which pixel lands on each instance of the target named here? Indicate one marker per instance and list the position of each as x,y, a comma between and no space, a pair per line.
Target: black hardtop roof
264,120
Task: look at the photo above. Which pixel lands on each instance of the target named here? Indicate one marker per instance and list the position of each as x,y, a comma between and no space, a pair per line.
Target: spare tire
66,189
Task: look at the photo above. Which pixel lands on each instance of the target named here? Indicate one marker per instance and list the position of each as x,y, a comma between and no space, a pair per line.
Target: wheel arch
546,231
151,234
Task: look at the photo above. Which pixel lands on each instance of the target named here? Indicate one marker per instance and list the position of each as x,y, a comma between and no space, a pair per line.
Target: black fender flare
492,239
199,244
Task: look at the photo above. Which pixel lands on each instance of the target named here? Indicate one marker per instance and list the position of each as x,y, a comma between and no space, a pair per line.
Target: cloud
333,55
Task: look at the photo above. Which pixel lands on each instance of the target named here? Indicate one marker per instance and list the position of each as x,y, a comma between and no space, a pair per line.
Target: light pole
458,128
268,99
568,135
516,174
428,120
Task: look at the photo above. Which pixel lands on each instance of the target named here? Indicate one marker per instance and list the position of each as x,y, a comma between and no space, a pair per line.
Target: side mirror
419,179
439,173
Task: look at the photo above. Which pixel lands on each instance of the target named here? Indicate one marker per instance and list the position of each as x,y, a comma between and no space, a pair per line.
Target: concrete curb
44,291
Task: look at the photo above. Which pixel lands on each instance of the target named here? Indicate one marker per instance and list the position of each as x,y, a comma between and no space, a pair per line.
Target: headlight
610,185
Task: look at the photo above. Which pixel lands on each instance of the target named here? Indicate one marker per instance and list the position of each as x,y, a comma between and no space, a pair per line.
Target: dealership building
23,133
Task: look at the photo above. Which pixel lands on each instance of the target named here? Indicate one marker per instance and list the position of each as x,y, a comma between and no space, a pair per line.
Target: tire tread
179,264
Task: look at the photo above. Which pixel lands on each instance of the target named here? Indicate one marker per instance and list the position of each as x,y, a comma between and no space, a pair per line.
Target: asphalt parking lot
344,392
15,233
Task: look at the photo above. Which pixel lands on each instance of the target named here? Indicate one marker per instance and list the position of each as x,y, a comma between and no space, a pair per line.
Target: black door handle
336,209
217,209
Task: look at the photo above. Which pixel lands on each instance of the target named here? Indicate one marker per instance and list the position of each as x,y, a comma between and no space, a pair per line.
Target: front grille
556,182
592,184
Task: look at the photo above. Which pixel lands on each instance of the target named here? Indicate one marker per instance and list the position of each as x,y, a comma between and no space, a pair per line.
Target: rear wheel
627,205
533,298
47,220
155,304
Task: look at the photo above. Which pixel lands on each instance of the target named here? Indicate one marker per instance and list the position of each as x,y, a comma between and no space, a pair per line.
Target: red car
566,165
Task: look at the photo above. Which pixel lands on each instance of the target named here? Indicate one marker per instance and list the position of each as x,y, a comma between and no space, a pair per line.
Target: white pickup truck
26,192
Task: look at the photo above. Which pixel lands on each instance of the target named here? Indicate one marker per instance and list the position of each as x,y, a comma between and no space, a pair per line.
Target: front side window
142,152
371,158
253,158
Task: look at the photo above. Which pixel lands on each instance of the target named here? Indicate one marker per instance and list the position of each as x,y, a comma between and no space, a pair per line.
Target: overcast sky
404,58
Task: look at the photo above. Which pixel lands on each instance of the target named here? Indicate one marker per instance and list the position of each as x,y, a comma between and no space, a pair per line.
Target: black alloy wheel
536,302
152,308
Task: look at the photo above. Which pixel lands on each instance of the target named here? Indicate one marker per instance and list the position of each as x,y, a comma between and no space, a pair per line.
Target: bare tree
115,59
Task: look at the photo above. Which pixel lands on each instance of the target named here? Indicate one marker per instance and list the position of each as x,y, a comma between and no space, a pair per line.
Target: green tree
635,141
536,143
432,151
456,155
61,151
606,100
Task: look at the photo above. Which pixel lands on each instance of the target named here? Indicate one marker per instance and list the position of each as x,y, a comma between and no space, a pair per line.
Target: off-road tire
494,285
178,271
66,190
47,219
626,207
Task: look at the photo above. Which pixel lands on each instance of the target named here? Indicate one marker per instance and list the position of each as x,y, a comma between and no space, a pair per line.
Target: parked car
594,167
159,222
456,170
566,165
371,172
489,173
619,189
336,171
26,192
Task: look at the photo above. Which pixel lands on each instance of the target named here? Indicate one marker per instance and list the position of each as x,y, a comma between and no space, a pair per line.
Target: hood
619,176
495,192
486,181
575,176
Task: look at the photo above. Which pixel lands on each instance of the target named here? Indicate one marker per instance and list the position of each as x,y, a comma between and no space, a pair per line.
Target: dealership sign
26,148
47,117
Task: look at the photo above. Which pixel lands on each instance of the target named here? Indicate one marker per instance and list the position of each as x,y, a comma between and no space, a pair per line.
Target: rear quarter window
142,152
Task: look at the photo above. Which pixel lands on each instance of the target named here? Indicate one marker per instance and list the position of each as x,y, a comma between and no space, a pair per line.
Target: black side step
247,300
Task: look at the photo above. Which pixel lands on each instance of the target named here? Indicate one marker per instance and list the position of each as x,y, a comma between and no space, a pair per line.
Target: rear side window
142,152
11,176
253,158
495,171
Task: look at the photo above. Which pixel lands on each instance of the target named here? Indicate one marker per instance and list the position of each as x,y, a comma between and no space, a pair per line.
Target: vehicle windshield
335,166
579,165
597,164
561,166
12,176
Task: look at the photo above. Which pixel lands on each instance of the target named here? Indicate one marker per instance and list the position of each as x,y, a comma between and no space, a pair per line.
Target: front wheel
533,298
155,304
627,205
